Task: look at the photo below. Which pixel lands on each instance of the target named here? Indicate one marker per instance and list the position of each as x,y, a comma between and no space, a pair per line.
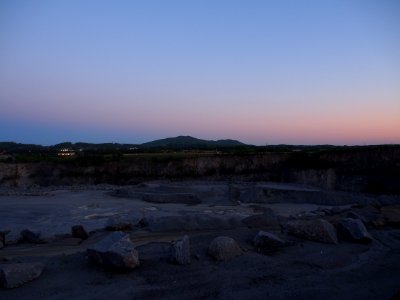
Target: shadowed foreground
302,269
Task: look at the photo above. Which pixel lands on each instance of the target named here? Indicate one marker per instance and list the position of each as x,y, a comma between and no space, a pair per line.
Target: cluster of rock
165,223
320,230
117,251
33,237
388,215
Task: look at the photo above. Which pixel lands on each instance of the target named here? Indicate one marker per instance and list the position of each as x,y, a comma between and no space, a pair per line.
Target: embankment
364,170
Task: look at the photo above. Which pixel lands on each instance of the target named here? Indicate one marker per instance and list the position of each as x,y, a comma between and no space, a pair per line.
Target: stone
392,214
368,214
78,231
180,251
116,252
31,237
16,274
353,230
224,248
318,230
117,223
267,241
144,222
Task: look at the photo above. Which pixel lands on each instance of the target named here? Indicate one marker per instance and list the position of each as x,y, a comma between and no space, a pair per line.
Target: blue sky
296,72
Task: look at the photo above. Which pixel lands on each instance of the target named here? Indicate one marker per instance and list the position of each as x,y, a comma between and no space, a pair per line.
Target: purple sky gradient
263,72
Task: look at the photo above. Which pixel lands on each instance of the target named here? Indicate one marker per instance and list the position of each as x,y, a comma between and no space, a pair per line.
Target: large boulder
353,230
180,251
32,237
78,231
116,251
392,214
315,230
117,223
266,241
16,274
224,248
369,215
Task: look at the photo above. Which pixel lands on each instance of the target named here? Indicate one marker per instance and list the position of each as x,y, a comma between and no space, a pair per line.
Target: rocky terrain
198,239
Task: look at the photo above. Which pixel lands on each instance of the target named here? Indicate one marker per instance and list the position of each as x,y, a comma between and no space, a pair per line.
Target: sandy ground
304,270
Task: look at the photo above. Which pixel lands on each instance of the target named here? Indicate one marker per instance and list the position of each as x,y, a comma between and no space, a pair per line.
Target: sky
259,71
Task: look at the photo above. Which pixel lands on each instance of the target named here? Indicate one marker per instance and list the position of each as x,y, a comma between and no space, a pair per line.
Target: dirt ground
302,270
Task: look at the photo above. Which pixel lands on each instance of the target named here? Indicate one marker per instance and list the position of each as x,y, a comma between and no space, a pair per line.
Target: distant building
66,152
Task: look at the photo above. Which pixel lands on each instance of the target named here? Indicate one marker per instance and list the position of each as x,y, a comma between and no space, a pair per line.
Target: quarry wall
374,171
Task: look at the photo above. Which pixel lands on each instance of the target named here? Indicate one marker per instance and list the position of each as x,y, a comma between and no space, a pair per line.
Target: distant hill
179,143
188,142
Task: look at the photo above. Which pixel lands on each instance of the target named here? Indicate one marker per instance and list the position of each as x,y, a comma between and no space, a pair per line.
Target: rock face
31,237
16,274
180,251
353,230
78,231
267,241
392,214
115,252
340,176
224,248
315,230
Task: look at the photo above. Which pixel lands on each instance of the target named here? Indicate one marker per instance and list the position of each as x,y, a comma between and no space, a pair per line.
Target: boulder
368,214
16,274
314,230
266,241
224,248
144,222
116,252
117,223
78,231
353,230
180,251
31,237
392,214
